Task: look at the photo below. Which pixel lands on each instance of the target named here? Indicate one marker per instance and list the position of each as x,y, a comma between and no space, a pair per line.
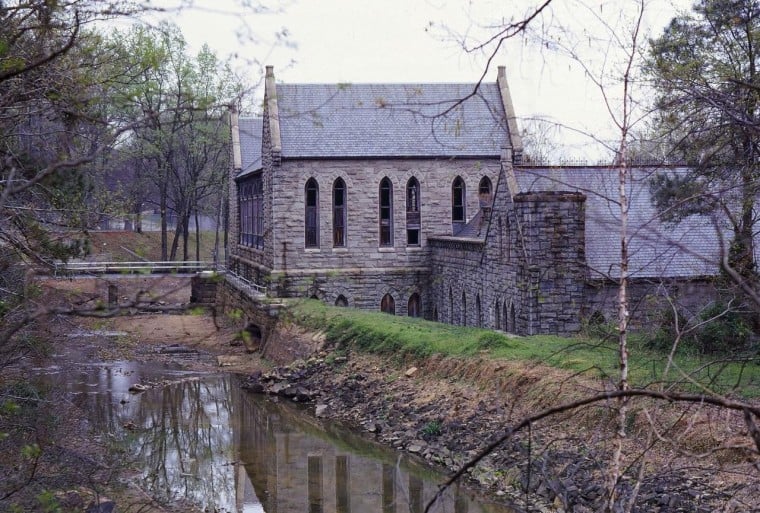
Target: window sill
414,248
340,250
312,250
386,249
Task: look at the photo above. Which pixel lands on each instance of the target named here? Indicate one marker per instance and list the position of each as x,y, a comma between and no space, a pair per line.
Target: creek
199,439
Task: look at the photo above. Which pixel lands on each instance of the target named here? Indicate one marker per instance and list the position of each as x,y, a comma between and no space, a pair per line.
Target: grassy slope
404,336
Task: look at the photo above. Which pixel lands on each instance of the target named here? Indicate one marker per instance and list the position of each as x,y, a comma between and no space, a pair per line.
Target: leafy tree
704,68
181,145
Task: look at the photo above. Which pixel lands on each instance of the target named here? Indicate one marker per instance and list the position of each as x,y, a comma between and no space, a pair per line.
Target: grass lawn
405,336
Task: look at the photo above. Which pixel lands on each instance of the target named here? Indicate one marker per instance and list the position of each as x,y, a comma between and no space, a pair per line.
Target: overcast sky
330,41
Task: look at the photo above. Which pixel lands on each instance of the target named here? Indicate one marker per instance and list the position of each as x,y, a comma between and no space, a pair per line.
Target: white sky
330,41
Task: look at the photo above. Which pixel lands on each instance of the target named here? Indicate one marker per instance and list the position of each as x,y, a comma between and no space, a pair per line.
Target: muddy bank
445,411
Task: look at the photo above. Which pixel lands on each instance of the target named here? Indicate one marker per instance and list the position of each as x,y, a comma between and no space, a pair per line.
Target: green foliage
493,340
432,429
718,329
708,93
725,331
48,502
31,451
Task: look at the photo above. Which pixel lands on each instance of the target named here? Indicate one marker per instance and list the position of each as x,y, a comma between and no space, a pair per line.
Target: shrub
728,330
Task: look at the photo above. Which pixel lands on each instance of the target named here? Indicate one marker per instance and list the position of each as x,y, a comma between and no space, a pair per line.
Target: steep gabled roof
250,144
656,249
391,120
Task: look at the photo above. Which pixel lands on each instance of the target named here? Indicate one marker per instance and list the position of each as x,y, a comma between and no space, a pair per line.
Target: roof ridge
344,84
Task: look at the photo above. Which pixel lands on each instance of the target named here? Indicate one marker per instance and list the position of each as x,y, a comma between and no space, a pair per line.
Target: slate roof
250,144
390,120
656,249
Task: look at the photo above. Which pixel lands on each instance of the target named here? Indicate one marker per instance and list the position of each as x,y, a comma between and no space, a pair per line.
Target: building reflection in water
207,441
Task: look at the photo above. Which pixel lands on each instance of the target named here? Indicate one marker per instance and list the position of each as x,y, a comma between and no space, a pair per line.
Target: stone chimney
272,114
515,140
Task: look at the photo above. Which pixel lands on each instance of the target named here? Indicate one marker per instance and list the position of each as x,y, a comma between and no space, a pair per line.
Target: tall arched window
497,315
511,320
478,313
388,304
413,307
484,187
464,310
386,212
413,212
339,213
458,214
311,220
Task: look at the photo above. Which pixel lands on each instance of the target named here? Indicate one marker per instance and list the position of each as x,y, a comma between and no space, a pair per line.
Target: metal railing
71,268
246,285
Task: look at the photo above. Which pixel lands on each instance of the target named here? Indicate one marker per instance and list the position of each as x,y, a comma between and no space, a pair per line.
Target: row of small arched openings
388,304
504,313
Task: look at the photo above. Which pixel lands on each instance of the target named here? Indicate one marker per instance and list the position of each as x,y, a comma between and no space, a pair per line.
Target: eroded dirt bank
446,410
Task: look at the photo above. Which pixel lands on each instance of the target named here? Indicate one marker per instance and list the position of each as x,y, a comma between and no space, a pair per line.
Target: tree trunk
197,237
163,207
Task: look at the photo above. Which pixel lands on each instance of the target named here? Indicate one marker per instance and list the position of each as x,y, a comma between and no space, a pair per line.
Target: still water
204,440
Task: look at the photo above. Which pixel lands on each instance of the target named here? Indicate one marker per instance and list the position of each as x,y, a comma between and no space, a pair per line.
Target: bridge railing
69,268
245,284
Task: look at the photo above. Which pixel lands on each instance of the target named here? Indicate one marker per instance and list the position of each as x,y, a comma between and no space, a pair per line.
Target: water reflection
205,440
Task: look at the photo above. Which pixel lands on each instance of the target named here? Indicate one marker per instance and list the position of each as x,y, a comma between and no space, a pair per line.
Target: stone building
413,199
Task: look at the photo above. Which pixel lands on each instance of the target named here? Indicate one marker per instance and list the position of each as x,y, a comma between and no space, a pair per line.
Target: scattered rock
138,388
414,448
411,371
321,410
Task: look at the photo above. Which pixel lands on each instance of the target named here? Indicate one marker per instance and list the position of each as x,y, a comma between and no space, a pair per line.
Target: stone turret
550,273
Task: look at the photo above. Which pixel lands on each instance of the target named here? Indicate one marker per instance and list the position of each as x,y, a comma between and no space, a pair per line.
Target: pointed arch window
413,212
484,187
478,313
464,309
339,213
341,300
388,304
386,212
413,307
458,214
311,220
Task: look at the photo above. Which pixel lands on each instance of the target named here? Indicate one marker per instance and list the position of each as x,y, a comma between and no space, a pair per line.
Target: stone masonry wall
363,272
649,300
457,285
362,178
361,288
551,272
